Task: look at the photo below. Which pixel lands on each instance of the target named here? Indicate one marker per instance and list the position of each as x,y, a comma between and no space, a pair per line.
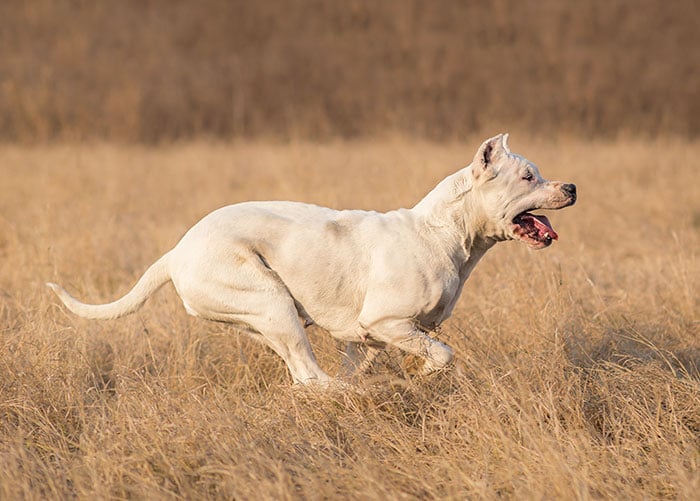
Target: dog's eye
528,176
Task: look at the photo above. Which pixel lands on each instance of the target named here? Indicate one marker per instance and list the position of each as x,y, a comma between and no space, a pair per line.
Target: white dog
368,278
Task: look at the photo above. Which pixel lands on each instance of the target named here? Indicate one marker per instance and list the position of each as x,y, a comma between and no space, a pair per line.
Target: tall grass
577,367
155,70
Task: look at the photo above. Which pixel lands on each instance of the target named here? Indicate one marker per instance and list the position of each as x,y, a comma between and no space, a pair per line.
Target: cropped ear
505,143
487,154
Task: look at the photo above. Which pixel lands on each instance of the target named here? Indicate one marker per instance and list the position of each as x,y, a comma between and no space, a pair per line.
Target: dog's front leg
359,358
406,335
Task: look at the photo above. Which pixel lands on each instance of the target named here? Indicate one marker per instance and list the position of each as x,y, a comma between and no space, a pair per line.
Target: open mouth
534,230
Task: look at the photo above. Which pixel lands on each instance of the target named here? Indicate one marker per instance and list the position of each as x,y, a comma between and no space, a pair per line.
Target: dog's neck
446,206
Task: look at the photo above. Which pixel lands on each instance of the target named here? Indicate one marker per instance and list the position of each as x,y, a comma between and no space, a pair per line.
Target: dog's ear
487,154
505,142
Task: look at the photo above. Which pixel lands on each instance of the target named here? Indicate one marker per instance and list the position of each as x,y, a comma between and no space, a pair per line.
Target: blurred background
161,70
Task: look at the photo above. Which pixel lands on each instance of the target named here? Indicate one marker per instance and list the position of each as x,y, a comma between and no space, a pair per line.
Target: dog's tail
154,278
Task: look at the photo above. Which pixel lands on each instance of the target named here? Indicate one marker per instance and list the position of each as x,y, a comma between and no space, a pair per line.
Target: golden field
162,70
577,372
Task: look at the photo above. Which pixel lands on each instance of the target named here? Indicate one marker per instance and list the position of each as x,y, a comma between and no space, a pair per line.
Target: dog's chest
442,297
439,304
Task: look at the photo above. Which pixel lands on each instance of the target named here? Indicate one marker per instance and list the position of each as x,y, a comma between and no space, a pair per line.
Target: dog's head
509,187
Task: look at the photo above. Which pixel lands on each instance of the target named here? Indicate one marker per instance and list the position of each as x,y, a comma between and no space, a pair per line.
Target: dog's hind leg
253,296
273,319
286,336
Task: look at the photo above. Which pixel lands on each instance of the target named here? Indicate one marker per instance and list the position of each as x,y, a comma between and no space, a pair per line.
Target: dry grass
577,370
153,70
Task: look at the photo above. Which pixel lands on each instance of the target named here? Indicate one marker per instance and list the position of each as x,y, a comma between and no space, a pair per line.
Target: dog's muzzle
570,191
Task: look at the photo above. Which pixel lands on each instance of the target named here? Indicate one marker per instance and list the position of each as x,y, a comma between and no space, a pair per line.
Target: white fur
368,278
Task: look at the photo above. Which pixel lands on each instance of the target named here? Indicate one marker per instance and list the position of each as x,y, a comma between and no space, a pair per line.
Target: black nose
569,189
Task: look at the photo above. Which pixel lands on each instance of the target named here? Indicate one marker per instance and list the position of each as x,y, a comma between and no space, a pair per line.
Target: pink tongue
543,226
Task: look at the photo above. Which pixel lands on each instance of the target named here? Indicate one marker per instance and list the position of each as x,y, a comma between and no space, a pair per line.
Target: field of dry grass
577,369
154,70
